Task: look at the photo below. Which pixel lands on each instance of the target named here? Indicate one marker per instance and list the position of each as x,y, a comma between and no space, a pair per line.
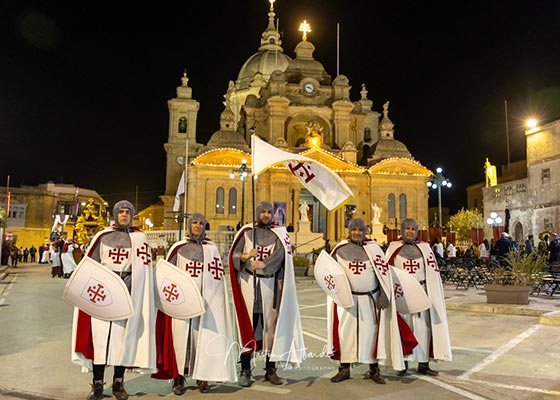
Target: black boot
424,369
118,391
245,379
375,375
179,387
343,373
403,372
96,392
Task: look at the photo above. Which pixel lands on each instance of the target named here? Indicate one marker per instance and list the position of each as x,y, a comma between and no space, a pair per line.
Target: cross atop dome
304,27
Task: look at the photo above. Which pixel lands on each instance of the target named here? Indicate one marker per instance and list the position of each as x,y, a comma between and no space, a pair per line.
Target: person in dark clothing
503,246
554,248
32,253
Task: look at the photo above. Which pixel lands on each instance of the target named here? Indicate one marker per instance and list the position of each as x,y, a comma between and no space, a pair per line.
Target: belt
122,274
370,292
422,282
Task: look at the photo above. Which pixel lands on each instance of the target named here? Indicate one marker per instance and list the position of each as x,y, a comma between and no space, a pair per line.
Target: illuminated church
297,106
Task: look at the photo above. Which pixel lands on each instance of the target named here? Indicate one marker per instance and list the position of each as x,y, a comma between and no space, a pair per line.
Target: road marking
312,306
517,387
454,389
310,317
469,350
314,336
269,389
501,351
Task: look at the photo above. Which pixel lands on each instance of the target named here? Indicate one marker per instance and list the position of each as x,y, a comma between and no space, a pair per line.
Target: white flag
180,191
320,180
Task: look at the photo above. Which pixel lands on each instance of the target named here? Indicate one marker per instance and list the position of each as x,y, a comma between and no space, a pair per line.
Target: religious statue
376,214
491,175
303,209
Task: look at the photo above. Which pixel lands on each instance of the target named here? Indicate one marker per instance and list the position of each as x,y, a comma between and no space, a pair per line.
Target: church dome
389,147
257,69
264,63
227,136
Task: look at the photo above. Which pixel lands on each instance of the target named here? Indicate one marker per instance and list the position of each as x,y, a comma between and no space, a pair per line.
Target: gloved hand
383,301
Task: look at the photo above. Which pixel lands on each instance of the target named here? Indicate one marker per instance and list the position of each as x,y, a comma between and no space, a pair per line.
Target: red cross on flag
320,180
333,280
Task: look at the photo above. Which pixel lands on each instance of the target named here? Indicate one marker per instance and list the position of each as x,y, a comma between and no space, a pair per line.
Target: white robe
373,332
430,325
209,352
130,342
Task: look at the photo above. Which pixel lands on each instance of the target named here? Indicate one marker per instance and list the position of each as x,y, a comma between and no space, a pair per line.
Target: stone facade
295,105
532,202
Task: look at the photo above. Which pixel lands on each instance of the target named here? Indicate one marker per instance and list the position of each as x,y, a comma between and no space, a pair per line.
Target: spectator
503,246
438,248
484,249
529,244
26,255
554,248
32,253
451,252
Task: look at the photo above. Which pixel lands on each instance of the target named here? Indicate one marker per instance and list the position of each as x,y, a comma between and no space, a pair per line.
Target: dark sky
84,85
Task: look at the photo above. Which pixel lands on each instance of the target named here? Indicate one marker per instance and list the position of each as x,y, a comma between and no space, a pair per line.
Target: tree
464,220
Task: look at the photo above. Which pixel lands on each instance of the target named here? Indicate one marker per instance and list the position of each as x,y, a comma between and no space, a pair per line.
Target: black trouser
99,372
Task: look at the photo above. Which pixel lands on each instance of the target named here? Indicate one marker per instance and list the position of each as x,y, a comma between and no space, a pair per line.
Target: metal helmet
196,217
123,204
357,223
409,222
262,206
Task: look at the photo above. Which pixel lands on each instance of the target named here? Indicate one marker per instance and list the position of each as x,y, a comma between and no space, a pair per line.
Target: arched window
220,200
367,134
233,201
391,206
402,205
182,125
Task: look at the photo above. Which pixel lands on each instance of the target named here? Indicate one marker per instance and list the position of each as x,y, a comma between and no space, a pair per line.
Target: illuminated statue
491,176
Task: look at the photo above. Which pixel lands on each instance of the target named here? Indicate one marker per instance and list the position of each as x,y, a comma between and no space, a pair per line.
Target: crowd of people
264,320
498,250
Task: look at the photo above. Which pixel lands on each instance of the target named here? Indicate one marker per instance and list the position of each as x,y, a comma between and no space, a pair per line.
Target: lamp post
494,221
436,182
243,173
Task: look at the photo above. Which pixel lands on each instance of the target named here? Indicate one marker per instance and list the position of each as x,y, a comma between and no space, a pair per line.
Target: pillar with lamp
436,182
243,173
495,221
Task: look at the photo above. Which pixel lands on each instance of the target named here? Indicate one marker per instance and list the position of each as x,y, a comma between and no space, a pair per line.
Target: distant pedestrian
14,256
26,255
56,267
32,253
529,244
554,248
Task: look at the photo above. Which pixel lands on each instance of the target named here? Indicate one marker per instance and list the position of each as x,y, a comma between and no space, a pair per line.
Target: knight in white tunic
126,343
263,288
430,326
353,331
202,346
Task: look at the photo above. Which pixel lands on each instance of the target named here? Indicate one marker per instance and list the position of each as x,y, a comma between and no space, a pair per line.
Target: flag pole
253,219
186,162
337,48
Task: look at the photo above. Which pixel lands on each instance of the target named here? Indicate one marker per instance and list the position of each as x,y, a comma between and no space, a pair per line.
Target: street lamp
437,182
494,221
243,173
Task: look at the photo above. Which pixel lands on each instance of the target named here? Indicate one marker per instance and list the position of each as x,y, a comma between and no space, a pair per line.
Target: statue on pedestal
376,214
303,209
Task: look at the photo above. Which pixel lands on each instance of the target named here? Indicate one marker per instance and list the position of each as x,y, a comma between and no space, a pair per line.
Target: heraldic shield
178,294
410,297
98,291
331,278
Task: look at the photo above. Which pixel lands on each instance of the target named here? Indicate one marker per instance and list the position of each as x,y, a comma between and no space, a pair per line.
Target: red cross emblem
287,243
357,267
303,170
118,255
194,268
411,266
381,264
144,253
264,252
329,281
170,292
96,293
433,263
398,290
216,268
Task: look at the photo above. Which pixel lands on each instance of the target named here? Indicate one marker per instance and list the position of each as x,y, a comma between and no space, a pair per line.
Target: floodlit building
294,104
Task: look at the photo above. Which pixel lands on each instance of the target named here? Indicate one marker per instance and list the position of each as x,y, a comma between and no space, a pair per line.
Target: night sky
84,85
